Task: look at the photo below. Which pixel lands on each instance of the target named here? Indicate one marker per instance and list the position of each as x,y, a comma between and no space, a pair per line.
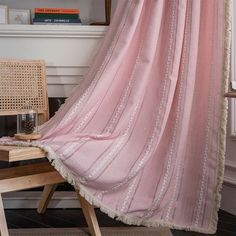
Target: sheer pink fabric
141,136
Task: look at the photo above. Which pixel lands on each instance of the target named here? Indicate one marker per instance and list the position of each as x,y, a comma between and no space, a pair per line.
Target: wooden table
35,175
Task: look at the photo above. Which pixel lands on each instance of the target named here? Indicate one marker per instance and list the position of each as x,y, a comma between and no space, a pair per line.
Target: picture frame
19,16
107,14
3,14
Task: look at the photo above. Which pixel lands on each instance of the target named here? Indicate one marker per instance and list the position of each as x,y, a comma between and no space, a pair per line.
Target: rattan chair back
22,82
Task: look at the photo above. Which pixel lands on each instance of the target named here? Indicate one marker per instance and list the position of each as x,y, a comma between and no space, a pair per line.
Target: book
45,23
62,21
56,16
57,10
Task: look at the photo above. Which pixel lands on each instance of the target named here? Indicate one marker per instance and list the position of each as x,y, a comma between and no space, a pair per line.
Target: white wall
67,51
90,10
228,202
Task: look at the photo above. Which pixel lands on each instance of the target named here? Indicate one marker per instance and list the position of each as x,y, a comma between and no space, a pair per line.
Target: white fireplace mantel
52,31
67,50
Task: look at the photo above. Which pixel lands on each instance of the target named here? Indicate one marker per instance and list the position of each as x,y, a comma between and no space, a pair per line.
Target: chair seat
15,153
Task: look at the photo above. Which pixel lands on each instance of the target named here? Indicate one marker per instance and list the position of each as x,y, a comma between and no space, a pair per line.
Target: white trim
62,80
66,69
230,173
58,79
52,31
233,119
230,164
60,90
30,199
230,180
233,73
67,50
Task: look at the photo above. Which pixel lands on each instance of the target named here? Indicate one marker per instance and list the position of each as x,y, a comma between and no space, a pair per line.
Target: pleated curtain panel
143,136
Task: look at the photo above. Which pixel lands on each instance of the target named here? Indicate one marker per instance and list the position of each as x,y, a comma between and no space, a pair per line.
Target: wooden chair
24,81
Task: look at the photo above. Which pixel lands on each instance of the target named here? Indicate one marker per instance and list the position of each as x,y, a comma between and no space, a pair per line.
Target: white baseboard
30,199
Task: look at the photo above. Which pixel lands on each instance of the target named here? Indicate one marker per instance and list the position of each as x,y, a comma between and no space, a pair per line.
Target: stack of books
56,16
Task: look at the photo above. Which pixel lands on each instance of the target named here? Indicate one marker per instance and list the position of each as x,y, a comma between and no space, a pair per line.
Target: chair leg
164,231
46,197
90,216
3,222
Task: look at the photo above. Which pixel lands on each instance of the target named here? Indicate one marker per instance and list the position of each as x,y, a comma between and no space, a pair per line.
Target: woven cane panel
22,82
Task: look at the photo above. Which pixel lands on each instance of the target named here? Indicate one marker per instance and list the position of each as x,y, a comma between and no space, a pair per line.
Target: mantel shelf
52,31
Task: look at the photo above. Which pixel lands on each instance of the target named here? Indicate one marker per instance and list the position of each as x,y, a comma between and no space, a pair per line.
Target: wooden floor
62,218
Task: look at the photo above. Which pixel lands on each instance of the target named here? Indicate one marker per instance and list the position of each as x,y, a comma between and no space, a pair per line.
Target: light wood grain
90,216
25,177
30,181
27,137
28,176
231,94
15,153
31,175
46,197
3,222
164,231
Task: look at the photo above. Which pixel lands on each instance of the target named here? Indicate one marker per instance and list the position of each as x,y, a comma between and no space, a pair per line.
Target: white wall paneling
67,50
30,199
62,79
230,172
233,72
233,118
228,202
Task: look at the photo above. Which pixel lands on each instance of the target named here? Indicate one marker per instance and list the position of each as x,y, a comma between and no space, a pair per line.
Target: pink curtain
143,136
